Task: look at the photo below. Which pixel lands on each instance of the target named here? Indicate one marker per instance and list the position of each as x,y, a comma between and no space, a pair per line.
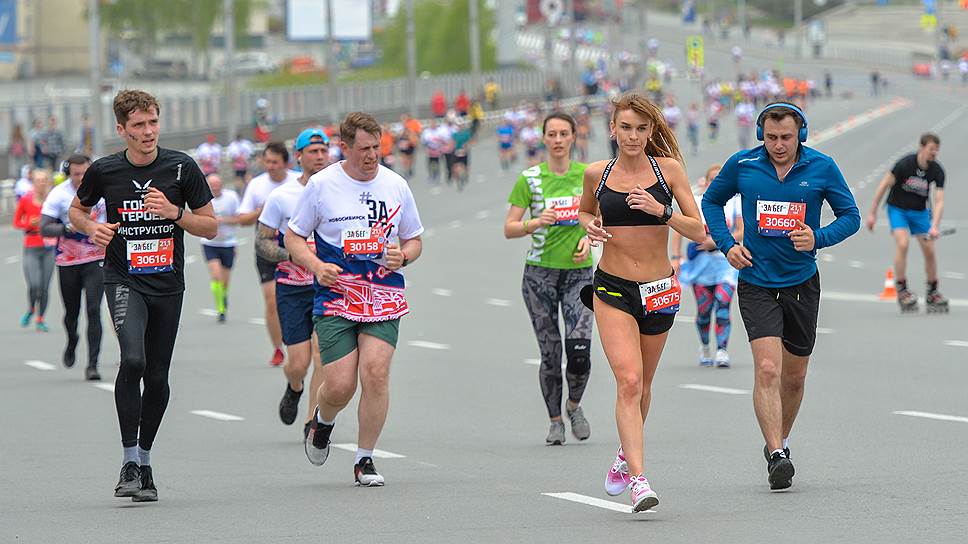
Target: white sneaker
722,358
617,479
643,498
705,357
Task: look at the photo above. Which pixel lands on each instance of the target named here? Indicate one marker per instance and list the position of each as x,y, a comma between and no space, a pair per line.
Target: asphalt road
467,423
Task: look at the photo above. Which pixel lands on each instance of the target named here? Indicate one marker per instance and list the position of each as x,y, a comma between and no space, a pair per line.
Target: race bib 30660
779,218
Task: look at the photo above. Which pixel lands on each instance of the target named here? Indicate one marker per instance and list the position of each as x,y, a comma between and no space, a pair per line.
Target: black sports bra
616,211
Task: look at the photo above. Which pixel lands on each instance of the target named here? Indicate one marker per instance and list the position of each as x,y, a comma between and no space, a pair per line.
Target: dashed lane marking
109,387
40,365
217,415
427,345
956,343
594,501
256,321
379,454
498,302
442,292
929,415
714,389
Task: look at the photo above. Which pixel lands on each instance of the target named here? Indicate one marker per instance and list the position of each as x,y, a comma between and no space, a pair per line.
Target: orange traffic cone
889,292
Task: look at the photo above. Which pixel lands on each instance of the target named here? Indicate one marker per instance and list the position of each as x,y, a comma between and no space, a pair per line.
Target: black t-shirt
911,183
148,251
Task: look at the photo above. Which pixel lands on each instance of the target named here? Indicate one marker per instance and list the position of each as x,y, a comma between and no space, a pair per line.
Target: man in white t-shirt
209,155
745,116
240,152
366,227
79,262
275,158
295,294
220,251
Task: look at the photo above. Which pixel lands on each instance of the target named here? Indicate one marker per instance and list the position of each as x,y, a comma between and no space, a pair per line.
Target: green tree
442,38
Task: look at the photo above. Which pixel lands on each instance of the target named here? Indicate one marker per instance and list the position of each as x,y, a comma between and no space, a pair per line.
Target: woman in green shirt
557,266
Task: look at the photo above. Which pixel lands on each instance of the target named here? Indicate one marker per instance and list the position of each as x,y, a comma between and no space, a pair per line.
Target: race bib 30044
566,210
151,256
661,296
779,218
364,243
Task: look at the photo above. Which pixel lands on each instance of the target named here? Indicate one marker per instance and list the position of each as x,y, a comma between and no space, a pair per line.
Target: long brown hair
663,142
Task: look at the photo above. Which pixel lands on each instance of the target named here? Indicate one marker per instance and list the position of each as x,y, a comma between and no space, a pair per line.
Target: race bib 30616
151,256
779,218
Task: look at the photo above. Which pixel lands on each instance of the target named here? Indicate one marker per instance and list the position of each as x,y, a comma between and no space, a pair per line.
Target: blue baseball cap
305,138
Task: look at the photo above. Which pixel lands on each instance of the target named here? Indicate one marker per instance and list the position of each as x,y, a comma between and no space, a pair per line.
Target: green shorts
337,335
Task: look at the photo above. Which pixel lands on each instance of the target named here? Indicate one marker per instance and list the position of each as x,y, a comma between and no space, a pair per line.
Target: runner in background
240,153
209,155
38,254
220,251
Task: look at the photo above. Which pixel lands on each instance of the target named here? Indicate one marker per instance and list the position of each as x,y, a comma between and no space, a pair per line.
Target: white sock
319,418
777,451
130,455
786,443
361,453
144,457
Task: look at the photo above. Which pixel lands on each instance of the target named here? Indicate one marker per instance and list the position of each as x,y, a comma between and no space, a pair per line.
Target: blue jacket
813,179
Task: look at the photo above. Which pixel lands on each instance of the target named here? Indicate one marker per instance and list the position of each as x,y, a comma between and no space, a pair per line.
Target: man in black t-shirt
908,212
145,190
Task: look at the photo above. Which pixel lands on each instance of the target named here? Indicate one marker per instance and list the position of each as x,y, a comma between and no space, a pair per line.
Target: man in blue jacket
783,185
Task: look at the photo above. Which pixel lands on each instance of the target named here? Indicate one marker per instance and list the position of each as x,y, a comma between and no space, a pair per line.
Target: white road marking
190,259
929,415
428,345
378,454
954,275
436,191
535,362
827,258
824,330
256,321
714,389
428,233
855,121
217,415
593,501
498,302
13,259
441,292
208,311
40,365
956,343
456,224
483,214
684,319
109,387
855,264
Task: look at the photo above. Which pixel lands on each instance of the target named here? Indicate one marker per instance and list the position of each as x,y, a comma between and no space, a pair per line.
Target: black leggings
87,277
545,290
146,327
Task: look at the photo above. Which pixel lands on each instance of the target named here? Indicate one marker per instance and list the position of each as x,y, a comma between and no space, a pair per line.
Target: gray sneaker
316,442
579,425
556,434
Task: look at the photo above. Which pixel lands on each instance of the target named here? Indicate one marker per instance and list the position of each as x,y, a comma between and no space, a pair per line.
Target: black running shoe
130,481
317,441
306,428
781,471
766,453
366,474
69,357
91,374
289,405
147,493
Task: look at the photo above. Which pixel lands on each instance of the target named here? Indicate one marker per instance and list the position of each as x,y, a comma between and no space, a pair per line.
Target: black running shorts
624,294
266,268
789,313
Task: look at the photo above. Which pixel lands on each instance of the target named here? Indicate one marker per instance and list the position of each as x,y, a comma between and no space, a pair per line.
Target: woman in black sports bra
627,206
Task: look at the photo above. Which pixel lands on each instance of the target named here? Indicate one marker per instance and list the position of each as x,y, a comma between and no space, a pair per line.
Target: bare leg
375,356
767,403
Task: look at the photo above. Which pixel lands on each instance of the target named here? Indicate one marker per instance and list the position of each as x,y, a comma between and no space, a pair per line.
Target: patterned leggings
707,296
544,290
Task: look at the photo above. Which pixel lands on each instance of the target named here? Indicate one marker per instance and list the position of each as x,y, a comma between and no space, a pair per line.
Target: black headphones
76,158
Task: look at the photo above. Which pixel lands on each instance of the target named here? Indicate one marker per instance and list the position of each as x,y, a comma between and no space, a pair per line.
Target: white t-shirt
529,137
672,115
225,205
745,113
275,214
333,205
209,156
22,187
259,188
76,248
239,152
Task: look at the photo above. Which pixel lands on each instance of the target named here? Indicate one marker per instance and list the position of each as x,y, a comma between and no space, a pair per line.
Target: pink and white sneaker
617,479
643,498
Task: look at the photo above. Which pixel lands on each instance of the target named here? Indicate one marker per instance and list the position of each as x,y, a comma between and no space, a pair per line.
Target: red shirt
438,105
27,212
462,104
